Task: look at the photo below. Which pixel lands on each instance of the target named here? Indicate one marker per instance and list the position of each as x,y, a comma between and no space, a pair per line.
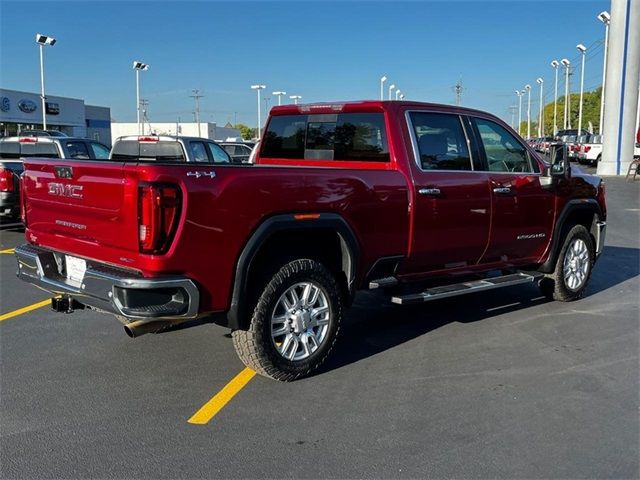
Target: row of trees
590,113
247,132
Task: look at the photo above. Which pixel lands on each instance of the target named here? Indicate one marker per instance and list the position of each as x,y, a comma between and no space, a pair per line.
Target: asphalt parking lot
501,384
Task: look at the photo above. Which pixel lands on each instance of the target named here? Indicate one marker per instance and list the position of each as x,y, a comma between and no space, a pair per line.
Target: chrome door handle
429,191
502,190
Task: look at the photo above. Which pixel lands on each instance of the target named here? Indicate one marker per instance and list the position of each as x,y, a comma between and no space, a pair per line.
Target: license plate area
75,268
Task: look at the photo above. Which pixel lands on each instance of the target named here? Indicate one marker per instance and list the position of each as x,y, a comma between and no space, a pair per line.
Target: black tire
256,347
554,285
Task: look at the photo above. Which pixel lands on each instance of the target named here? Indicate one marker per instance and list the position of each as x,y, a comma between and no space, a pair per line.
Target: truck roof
365,105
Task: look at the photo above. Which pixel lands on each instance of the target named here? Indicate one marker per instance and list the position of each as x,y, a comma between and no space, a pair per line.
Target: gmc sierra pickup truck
423,201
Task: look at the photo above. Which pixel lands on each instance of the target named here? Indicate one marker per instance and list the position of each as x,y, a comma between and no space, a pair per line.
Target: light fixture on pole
258,88
402,96
555,64
391,87
519,94
137,66
605,18
295,98
382,80
527,88
43,40
398,93
540,82
279,95
583,50
566,63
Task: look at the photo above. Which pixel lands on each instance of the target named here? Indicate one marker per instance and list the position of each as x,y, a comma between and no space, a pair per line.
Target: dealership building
23,111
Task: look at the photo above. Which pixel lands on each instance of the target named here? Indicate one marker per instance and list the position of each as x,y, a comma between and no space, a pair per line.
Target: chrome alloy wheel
300,321
576,264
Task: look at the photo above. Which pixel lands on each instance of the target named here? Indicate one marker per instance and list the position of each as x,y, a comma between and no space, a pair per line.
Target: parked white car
590,152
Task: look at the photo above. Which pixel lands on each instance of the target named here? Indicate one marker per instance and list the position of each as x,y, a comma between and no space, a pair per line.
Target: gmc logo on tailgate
62,190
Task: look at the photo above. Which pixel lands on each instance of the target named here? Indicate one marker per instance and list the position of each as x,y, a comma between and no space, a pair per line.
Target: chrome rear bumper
103,287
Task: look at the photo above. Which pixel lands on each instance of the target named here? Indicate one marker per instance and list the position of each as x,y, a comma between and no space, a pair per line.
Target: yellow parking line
20,311
217,403
8,250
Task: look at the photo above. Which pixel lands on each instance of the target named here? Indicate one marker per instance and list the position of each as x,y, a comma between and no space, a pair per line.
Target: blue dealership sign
27,106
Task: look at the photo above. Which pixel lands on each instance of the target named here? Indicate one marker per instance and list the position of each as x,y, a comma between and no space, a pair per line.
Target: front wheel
573,267
295,322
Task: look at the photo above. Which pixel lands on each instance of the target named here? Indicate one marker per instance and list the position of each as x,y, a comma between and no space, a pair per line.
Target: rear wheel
573,267
295,322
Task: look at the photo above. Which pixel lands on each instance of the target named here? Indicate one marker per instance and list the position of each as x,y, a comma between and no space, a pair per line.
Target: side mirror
560,167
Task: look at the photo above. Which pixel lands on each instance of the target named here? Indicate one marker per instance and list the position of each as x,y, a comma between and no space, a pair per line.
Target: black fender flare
584,204
237,314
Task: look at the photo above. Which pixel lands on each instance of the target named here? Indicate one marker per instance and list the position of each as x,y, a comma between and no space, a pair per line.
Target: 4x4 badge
201,174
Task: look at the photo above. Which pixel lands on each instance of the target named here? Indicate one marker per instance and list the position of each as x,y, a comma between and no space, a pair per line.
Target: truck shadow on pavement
374,325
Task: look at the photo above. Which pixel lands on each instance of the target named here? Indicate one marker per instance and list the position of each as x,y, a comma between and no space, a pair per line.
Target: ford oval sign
5,104
27,106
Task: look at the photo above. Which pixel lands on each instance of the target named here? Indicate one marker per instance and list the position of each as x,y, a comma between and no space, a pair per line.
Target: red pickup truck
422,200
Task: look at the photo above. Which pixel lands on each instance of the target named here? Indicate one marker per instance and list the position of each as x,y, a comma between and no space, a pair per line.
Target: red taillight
6,180
158,213
28,140
148,139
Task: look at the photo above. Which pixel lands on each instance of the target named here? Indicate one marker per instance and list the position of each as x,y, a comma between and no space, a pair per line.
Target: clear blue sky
321,50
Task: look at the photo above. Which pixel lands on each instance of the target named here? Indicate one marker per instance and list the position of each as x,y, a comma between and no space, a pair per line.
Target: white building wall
207,130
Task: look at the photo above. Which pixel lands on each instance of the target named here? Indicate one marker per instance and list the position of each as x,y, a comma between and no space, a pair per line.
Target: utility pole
196,96
513,109
143,108
458,88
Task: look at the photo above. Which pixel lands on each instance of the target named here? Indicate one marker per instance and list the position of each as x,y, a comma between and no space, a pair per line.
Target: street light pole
566,63
555,64
391,87
279,95
43,40
137,66
541,115
398,92
605,18
295,98
527,87
582,50
382,80
519,94
258,88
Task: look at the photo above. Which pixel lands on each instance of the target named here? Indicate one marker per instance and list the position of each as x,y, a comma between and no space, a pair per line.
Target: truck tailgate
81,201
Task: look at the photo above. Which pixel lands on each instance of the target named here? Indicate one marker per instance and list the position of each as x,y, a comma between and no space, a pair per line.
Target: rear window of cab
344,136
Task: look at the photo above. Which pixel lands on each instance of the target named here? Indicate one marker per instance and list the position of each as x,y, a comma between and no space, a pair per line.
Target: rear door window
343,136
441,141
199,152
